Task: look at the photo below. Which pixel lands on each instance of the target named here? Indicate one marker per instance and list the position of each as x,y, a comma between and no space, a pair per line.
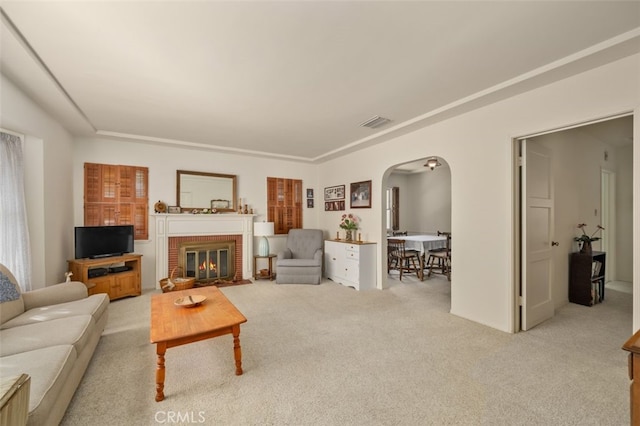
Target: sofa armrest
318,254
286,254
52,295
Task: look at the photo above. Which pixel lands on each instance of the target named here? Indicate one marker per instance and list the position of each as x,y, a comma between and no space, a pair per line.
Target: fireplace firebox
208,261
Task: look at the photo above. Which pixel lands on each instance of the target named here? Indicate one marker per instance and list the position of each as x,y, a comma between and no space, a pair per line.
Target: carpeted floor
329,355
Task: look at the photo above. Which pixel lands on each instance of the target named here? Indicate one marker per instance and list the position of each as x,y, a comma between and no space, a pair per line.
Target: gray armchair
301,261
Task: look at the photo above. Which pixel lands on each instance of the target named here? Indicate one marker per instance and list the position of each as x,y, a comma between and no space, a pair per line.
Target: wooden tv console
115,284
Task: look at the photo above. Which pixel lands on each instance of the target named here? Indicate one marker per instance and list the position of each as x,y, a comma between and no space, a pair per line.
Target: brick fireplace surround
171,229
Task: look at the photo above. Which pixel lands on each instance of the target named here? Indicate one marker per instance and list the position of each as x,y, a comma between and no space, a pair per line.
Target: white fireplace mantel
182,225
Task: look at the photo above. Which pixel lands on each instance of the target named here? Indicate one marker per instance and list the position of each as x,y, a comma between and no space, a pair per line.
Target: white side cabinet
351,264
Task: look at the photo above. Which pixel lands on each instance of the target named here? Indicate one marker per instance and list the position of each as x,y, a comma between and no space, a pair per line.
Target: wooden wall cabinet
351,264
115,284
586,277
117,195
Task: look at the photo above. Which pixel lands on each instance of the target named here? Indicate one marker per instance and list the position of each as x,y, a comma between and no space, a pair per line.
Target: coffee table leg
237,352
161,349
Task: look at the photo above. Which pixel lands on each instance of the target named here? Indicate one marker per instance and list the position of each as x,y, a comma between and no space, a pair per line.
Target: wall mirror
200,190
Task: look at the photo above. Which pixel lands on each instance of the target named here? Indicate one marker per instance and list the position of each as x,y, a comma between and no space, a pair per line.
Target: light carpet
329,355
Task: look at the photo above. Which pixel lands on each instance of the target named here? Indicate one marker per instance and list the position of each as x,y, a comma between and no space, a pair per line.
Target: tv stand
118,284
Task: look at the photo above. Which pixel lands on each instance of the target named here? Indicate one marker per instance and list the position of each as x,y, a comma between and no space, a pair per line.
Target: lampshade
264,230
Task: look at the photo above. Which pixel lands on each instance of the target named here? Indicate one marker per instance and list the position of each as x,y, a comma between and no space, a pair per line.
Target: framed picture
220,204
334,193
310,203
309,192
333,206
361,195
173,209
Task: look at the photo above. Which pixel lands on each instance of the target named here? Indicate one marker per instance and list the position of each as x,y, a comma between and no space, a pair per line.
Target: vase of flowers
586,239
349,223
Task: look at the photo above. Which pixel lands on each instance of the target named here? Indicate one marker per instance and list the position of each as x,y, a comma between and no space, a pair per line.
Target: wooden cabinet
633,346
351,264
586,277
100,276
117,195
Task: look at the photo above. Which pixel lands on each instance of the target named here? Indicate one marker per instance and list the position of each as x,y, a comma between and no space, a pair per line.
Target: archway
423,205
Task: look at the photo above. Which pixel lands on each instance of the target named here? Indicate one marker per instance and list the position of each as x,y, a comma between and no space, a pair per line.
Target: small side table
256,274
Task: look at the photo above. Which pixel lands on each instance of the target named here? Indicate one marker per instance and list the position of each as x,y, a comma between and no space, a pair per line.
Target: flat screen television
103,241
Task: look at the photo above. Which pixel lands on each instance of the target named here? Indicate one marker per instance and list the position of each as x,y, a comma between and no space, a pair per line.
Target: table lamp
264,230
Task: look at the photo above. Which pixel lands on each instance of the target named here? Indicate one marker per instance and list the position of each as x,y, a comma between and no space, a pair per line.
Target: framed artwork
220,204
361,195
174,209
309,192
334,206
310,203
332,193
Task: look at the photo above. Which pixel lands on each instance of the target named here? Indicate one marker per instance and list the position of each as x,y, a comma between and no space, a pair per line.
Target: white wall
482,197
425,199
163,161
48,181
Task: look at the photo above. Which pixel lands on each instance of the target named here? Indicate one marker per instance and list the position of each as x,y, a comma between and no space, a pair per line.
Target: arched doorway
418,202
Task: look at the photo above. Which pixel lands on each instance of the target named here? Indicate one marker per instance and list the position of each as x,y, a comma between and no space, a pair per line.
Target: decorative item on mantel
349,223
586,239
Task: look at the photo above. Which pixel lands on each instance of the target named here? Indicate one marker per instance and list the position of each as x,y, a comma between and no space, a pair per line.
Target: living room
542,102
434,350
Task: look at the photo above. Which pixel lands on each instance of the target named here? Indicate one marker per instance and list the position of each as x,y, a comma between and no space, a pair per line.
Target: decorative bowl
189,301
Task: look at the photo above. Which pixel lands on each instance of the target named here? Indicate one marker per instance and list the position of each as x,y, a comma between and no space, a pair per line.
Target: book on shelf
596,267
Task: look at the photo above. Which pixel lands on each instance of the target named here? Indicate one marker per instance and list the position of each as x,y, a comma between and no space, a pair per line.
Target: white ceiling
293,79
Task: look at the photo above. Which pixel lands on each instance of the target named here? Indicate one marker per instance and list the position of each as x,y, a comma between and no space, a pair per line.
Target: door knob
554,243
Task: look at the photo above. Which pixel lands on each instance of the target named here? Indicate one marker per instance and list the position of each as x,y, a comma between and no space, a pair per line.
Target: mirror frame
232,178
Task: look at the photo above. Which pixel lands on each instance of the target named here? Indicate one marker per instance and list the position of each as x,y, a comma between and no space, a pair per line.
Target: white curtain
14,233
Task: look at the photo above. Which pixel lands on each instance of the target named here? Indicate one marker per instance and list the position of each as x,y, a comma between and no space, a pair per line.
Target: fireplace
208,261
175,229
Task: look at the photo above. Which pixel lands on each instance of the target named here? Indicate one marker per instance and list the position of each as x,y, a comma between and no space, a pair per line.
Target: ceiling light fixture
432,163
375,122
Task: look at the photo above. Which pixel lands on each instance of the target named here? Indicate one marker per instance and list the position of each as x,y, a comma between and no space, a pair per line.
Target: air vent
375,122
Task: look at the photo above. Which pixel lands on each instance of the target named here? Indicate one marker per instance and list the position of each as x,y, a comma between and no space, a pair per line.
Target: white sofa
49,334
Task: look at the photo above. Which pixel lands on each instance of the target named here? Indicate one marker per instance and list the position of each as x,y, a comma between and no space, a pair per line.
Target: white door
537,233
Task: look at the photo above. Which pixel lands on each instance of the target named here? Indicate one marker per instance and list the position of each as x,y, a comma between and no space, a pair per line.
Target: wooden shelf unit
115,284
586,277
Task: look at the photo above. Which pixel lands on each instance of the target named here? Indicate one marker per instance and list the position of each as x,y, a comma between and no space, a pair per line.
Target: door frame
517,216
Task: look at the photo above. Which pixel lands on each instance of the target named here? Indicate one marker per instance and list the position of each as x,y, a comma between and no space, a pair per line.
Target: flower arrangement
349,222
585,237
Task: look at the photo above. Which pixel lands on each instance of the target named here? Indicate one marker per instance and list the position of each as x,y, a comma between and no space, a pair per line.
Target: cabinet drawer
352,252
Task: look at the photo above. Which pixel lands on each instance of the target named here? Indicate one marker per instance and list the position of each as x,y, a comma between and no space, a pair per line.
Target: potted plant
349,223
586,239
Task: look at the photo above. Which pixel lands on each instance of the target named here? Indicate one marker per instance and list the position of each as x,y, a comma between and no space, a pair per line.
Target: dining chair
400,233
439,260
401,259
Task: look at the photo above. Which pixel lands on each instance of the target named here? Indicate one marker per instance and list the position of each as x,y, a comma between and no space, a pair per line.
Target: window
393,208
117,195
284,204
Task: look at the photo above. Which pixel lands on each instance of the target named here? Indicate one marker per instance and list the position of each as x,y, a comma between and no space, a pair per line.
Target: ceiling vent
375,122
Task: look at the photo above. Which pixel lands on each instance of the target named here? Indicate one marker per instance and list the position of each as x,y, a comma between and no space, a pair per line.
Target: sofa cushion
94,305
74,331
11,303
49,369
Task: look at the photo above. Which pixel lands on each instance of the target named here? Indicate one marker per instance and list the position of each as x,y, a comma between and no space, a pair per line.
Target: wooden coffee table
173,325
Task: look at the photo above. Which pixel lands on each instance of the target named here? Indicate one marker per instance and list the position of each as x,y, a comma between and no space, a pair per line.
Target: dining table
422,244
